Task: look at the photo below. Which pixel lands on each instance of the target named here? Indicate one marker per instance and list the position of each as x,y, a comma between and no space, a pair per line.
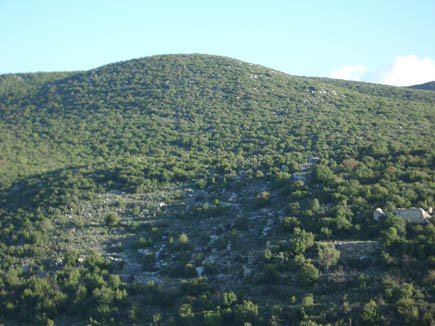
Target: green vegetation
182,190
328,256
112,219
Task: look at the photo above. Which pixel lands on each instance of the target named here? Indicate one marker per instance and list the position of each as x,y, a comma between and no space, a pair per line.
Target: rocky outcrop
413,215
377,214
305,170
199,271
410,215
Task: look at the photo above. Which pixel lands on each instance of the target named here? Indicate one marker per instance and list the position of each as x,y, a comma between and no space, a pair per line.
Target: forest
203,190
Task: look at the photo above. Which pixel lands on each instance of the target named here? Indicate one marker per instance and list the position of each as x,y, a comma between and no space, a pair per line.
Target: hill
200,189
426,86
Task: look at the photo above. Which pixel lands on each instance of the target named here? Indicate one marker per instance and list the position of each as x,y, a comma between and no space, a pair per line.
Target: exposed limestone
116,260
246,271
410,215
297,176
25,267
199,270
233,197
81,260
265,231
158,252
143,251
305,170
413,215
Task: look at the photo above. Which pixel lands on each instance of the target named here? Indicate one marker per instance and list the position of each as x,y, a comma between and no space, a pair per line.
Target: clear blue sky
311,38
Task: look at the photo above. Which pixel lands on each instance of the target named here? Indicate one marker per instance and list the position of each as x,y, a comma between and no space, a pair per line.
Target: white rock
246,271
199,270
143,251
378,213
25,267
296,176
158,252
209,259
413,215
81,260
265,231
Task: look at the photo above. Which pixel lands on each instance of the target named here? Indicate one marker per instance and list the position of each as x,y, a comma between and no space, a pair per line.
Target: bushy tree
290,223
112,219
328,255
300,241
183,240
212,318
307,300
228,298
263,199
369,314
323,174
186,314
247,311
390,236
308,274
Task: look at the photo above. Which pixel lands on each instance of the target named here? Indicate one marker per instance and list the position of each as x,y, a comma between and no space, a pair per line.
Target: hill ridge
425,86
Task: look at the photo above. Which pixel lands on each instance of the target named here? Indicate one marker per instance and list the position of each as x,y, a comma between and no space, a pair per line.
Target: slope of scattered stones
227,232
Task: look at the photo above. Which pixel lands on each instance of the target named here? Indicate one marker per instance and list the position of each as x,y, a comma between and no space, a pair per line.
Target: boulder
377,214
143,251
116,262
199,271
81,260
246,271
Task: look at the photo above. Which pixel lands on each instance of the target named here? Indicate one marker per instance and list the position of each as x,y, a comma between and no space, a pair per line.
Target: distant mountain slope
13,86
426,86
382,90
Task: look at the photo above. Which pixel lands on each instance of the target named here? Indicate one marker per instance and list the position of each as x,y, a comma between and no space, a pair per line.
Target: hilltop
183,189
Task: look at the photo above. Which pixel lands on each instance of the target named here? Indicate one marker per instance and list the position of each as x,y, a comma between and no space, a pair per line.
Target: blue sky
382,41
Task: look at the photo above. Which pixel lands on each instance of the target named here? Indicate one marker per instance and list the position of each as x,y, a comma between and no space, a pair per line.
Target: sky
389,42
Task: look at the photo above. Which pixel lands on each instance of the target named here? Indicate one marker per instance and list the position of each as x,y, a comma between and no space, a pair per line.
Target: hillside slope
233,176
200,103
426,86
